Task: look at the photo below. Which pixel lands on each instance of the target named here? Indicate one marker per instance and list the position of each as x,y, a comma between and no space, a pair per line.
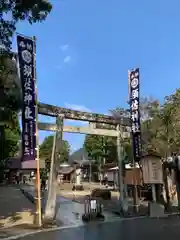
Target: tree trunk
50,209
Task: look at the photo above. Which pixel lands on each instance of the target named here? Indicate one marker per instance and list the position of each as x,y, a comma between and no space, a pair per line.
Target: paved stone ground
15,210
140,229
69,213
65,190
15,231
117,228
111,207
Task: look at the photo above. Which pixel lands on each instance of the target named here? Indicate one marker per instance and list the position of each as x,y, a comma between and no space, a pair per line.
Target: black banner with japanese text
26,56
135,113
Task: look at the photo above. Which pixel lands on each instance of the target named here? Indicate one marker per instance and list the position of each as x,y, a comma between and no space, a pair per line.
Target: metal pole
104,160
100,169
119,153
129,86
135,193
90,171
38,216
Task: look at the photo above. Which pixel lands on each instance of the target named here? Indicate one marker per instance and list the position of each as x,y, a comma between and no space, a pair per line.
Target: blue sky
85,48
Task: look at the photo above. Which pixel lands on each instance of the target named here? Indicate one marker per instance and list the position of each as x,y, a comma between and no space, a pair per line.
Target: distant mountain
78,155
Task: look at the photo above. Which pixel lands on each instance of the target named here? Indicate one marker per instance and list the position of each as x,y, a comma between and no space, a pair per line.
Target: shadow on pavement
138,229
15,209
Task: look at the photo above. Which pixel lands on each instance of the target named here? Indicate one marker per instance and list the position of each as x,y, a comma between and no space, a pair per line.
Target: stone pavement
135,229
69,213
65,190
15,210
13,205
75,204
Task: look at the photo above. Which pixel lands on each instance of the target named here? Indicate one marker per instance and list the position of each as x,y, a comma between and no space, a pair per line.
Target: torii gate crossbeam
54,111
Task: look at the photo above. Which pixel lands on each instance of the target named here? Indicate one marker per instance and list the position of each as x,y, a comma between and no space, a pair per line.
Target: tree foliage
10,138
101,149
13,11
10,104
46,150
10,86
160,127
163,126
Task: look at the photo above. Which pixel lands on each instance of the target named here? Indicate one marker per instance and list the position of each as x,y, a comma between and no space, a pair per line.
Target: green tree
12,140
33,11
120,112
10,86
9,141
150,123
171,120
126,142
11,12
93,146
160,127
101,149
10,104
45,151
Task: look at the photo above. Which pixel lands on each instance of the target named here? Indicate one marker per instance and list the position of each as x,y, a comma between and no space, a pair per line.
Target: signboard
152,170
133,176
135,113
26,56
105,126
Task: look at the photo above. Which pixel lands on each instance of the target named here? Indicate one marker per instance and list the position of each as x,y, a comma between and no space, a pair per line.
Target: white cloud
76,122
64,47
67,59
77,107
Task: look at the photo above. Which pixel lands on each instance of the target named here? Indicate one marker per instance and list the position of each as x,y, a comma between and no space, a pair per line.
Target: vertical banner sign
26,55
135,113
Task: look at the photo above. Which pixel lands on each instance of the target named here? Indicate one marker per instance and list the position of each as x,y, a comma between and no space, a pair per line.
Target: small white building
112,173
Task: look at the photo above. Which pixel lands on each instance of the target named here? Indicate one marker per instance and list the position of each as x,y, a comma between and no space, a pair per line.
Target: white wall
113,176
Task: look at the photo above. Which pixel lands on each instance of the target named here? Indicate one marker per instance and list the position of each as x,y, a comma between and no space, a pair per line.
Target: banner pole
120,176
38,217
129,87
134,180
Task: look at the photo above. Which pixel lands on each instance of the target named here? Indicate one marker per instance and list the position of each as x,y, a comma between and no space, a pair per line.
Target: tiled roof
66,170
15,163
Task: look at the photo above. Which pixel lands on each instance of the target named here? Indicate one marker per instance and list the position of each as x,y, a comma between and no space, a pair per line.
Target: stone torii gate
110,126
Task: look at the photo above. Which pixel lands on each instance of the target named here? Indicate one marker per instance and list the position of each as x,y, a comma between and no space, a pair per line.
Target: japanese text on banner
135,113
26,64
